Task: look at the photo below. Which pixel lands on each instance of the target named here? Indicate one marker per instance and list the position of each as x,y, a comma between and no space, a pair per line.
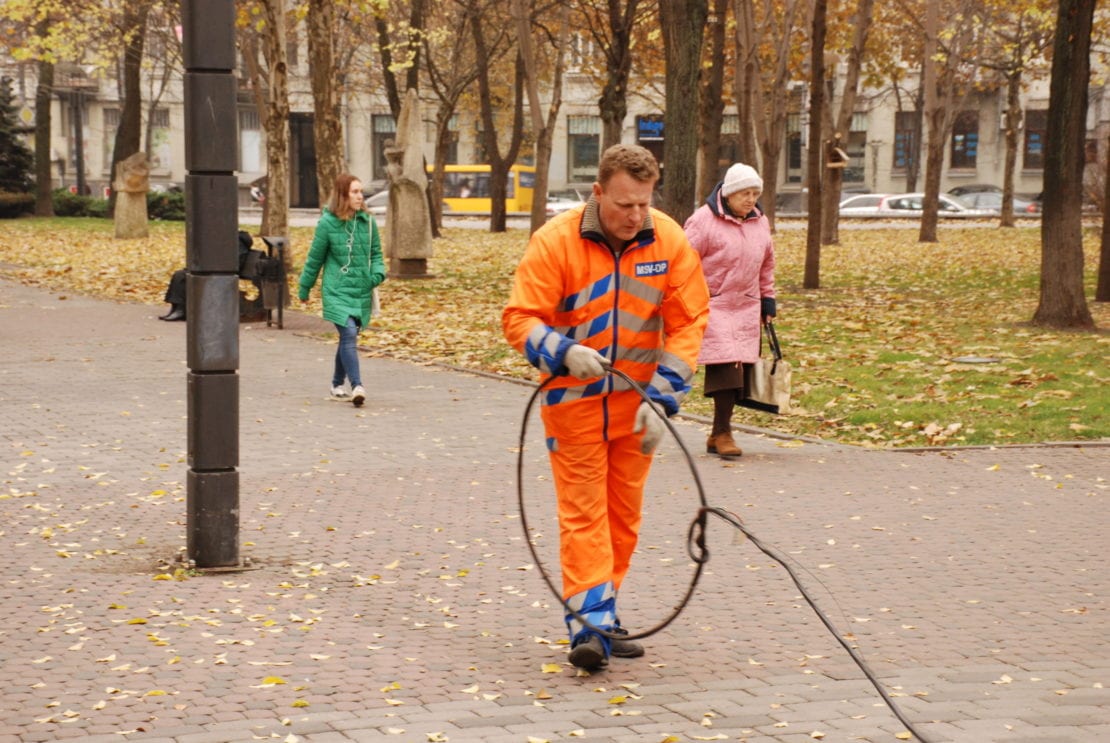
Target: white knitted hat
738,177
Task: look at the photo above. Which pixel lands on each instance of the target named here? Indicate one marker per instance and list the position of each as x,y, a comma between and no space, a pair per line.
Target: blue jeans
346,356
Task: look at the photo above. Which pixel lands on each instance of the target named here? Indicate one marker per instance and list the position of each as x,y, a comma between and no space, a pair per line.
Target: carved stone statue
131,185
407,218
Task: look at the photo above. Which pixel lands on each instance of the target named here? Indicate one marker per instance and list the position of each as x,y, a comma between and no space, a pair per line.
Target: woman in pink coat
733,238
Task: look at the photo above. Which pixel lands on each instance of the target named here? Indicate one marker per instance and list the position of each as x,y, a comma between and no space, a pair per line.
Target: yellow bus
466,188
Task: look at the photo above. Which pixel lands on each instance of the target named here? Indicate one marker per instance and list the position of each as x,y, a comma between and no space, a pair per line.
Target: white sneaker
338,393
358,395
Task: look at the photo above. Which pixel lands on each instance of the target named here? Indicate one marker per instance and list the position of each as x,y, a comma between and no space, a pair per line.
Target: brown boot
722,445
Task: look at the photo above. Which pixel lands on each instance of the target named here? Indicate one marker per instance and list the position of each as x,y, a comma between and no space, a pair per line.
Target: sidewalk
392,597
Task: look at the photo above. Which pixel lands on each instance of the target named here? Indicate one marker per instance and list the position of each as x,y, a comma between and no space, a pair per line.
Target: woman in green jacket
347,247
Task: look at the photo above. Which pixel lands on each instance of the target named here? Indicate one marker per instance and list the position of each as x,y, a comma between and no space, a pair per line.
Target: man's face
623,204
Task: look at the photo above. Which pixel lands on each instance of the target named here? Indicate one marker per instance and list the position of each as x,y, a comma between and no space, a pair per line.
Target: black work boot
589,654
624,648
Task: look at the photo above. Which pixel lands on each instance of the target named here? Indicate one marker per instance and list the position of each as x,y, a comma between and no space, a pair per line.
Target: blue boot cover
598,606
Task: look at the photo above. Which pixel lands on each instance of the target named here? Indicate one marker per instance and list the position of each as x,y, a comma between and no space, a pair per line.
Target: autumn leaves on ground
905,344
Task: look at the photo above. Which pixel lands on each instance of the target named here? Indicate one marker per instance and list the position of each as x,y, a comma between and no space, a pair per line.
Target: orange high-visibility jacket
644,309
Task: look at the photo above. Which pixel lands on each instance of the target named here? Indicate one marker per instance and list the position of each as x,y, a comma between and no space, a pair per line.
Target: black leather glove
767,306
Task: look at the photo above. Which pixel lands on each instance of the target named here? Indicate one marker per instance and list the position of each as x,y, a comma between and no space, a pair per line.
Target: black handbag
767,381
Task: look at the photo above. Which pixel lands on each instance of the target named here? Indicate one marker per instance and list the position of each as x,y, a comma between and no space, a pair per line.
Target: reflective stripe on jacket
644,309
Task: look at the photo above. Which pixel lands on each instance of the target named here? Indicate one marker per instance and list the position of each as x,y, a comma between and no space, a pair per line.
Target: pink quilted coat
738,259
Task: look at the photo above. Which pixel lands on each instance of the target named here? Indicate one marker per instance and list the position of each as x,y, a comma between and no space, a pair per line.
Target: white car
861,204
379,203
909,205
562,200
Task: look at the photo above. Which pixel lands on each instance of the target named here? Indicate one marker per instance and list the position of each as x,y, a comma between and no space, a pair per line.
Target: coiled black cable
695,546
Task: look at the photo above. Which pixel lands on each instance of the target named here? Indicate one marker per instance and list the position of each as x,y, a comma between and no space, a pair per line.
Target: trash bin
271,273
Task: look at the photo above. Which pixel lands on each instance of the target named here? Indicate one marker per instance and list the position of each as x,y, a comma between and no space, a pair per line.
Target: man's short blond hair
633,159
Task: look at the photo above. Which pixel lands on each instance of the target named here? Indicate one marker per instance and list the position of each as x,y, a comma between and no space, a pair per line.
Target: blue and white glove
584,362
649,419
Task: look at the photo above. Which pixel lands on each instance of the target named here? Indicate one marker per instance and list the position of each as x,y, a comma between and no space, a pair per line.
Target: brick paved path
393,597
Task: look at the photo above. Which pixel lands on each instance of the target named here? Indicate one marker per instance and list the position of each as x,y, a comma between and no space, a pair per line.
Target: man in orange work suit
611,283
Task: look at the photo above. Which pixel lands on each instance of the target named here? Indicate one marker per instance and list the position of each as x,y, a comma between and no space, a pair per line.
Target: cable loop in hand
697,526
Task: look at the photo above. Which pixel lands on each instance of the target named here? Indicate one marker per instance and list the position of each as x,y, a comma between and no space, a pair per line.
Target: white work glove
584,362
649,419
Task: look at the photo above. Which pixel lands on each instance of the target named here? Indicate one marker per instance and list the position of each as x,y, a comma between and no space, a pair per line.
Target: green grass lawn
875,351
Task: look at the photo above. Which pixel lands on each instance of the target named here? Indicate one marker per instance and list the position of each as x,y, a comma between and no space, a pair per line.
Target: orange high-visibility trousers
600,488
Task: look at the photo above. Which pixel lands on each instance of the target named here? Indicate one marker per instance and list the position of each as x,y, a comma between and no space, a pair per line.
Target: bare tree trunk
812,276
327,126
543,129
711,102
1102,288
1009,166
934,114
842,126
617,47
769,104
498,164
683,23
44,92
746,86
416,31
130,131
450,73
248,47
831,186
385,51
1062,301
913,163
276,120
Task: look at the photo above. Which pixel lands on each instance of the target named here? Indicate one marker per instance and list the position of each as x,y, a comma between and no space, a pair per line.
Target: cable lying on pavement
695,547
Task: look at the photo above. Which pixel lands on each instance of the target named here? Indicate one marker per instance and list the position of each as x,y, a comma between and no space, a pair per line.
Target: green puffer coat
350,254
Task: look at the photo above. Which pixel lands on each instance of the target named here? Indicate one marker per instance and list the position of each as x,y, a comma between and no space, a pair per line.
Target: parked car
861,204
370,188
379,203
970,188
573,193
992,200
562,200
909,205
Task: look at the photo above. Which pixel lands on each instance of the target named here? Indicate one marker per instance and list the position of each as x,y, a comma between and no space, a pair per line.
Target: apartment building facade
882,143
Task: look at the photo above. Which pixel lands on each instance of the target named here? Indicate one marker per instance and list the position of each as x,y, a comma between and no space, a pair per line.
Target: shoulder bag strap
773,343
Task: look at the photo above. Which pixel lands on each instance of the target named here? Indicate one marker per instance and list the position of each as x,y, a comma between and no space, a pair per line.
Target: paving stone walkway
391,595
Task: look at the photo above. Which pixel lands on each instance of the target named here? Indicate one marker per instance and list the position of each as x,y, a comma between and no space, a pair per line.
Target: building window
384,133
159,146
583,147
451,139
906,140
728,148
649,135
856,147
793,148
965,140
1090,152
581,50
292,51
479,149
250,141
1036,123
111,125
